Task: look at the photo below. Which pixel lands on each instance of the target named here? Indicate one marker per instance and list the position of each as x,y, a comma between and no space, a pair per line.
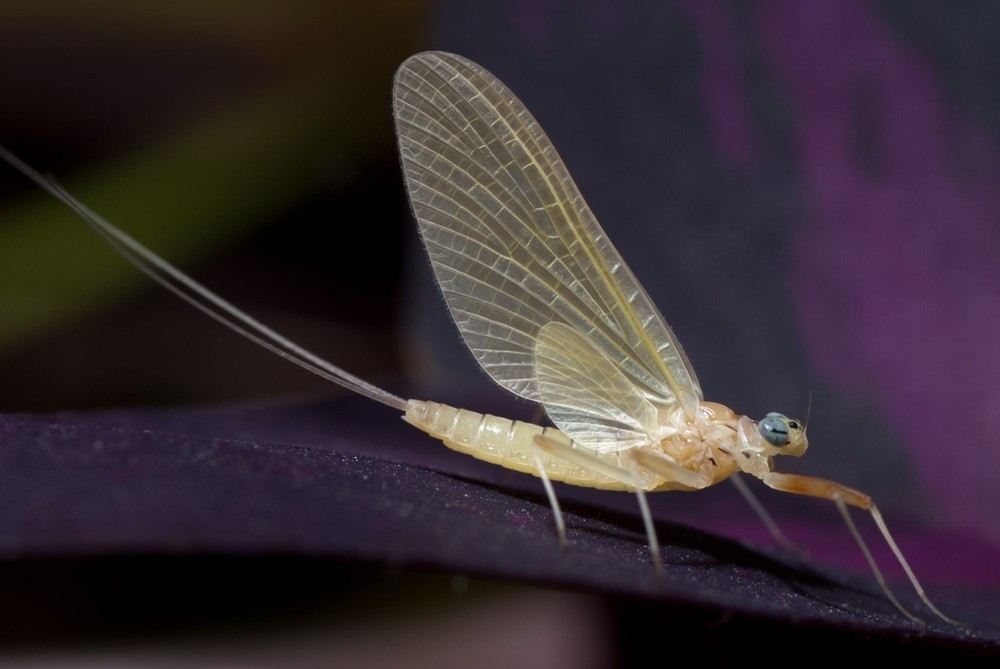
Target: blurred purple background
807,190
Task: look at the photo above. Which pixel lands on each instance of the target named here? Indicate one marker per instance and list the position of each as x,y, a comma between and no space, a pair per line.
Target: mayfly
548,308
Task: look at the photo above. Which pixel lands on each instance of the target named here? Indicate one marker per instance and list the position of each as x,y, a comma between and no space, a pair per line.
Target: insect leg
631,478
762,513
550,493
841,495
666,467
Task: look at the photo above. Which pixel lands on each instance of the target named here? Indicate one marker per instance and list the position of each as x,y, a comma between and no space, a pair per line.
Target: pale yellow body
707,448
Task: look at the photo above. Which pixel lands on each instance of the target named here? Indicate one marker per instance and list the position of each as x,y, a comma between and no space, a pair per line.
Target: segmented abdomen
509,443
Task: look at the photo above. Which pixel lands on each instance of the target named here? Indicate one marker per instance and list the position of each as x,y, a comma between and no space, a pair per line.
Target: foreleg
841,495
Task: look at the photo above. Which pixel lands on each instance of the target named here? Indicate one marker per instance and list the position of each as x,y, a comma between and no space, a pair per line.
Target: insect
549,309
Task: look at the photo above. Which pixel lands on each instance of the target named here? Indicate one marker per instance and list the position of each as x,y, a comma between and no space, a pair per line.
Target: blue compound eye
774,429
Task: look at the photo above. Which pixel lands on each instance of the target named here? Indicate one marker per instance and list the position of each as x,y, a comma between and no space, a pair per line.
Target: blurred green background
249,143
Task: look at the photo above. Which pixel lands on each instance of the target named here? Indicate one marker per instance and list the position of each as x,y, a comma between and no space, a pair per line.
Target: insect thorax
706,445
716,443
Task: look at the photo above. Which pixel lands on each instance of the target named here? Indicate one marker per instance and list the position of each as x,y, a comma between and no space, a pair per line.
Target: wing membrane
512,243
586,395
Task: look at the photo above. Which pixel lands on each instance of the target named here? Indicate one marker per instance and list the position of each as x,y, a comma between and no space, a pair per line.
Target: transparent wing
512,243
586,395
